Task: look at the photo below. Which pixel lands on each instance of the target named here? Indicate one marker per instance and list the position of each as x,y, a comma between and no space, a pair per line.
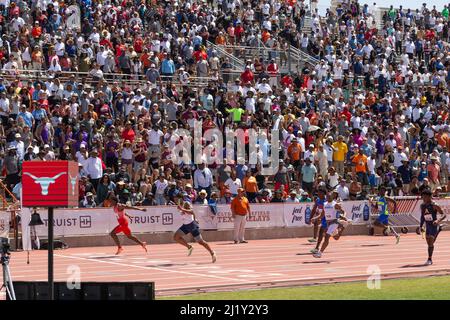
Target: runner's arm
389,199
422,218
187,211
443,215
342,213
134,208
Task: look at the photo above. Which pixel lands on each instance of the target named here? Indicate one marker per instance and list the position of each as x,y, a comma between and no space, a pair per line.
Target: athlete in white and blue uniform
190,225
334,217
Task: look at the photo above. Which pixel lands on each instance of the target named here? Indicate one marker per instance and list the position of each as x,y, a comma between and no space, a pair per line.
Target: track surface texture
258,264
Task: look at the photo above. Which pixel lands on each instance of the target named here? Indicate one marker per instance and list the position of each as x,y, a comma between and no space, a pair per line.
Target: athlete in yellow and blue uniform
383,211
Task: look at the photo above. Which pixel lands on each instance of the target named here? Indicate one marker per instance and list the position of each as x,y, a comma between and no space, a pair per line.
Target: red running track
260,263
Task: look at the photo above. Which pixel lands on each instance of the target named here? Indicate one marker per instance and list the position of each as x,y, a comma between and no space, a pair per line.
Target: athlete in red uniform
122,218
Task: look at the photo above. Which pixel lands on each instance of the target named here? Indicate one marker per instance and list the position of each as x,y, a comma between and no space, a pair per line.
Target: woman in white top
127,156
190,225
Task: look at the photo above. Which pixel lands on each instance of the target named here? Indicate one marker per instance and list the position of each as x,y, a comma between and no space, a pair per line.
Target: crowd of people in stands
111,89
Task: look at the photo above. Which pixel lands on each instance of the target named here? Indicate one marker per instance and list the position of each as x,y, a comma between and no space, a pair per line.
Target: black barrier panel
93,291
88,291
63,292
142,291
23,291
41,291
117,291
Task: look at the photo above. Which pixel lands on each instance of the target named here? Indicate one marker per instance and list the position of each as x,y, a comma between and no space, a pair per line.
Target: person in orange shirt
240,207
145,59
220,39
360,161
251,185
37,30
294,152
442,138
265,36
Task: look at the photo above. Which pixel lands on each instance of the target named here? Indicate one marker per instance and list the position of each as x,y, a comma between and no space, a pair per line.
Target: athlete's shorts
332,227
382,220
192,228
122,228
431,230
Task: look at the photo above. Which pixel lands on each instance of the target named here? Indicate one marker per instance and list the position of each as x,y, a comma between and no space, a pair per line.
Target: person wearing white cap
20,146
309,153
49,154
292,197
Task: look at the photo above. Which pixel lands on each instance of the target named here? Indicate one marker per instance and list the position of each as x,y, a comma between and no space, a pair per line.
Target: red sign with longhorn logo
50,184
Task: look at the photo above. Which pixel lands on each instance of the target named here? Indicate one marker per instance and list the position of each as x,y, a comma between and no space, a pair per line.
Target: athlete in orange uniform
122,218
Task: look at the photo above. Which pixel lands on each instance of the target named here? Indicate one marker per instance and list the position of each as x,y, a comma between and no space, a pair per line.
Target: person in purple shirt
111,156
379,145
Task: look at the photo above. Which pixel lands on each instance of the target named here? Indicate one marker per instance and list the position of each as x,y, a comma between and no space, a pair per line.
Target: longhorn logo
44,182
73,181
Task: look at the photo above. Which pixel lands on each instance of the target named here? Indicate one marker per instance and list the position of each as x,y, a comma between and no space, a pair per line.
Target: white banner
72,222
68,222
358,211
295,213
261,216
25,217
5,218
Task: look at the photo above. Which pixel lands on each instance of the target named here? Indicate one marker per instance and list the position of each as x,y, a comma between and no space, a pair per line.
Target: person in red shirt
106,43
138,44
287,81
273,71
238,32
347,114
128,133
122,218
247,75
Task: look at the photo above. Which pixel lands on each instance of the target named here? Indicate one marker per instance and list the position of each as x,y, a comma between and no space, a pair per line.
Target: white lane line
154,268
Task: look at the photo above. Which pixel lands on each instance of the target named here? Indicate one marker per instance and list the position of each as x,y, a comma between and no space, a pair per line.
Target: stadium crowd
112,92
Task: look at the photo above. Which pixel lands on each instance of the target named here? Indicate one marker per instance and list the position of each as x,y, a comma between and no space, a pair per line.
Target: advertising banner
4,224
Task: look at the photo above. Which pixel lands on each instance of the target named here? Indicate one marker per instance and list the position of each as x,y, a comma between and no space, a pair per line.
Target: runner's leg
326,241
141,243
179,238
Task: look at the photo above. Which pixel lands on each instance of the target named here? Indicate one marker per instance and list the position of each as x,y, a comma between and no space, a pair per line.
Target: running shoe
318,254
312,240
243,241
144,246
190,250
236,242
214,257
429,262
398,239
314,251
